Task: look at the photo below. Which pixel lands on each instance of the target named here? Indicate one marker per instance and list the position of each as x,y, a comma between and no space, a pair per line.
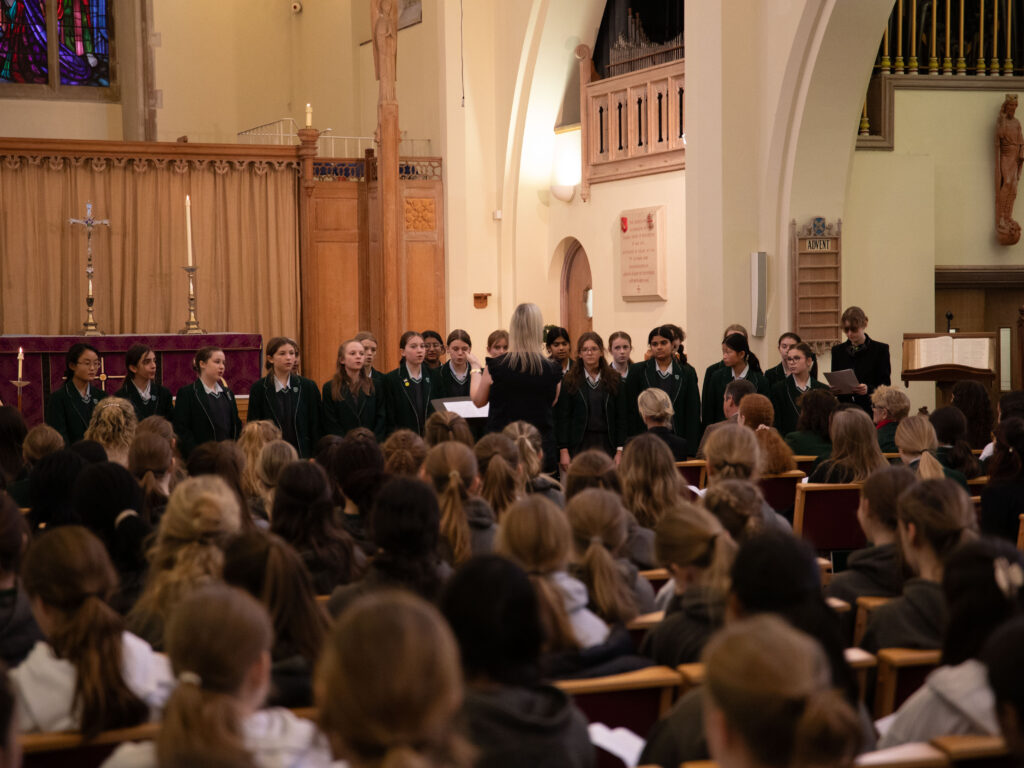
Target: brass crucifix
89,326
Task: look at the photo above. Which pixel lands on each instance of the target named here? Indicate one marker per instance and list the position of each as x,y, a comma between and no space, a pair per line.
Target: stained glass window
23,56
79,45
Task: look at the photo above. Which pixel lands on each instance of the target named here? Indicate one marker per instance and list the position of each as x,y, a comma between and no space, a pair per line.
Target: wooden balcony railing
632,124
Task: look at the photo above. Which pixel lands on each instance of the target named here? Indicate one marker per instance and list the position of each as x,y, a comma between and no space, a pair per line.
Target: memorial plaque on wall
817,281
642,254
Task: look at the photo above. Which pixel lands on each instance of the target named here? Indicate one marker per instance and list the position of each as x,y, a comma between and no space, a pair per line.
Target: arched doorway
577,292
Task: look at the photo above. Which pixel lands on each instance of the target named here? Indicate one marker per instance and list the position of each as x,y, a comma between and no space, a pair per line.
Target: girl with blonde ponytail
599,530
529,443
917,444
219,641
91,675
698,552
113,426
467,523
502,479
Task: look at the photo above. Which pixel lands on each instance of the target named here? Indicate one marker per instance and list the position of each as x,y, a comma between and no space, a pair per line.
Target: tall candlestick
21,360
309,115
188,226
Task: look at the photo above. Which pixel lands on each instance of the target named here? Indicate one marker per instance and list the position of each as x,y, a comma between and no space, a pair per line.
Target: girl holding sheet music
869,359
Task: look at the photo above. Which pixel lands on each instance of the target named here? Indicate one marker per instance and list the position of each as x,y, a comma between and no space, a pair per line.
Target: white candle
21,359
309,115
188,226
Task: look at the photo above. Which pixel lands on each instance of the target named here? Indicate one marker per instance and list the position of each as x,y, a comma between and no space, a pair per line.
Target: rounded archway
577,291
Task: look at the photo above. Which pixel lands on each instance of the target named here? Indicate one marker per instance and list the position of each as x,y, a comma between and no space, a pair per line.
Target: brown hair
573,379
853,317
274,457
650,481
759,415
275,344
591,469
529,444
737,505
40,441
496,336
202,355
362,383
161,427
214,638
687,535
599,529
149,460
201,515
732,453
773,686
915,436
255,435
941,512
226,461
404,452
498,461
113,424
881,493
390,685
442,426
854,444
69,571
893,399
536,534
451,468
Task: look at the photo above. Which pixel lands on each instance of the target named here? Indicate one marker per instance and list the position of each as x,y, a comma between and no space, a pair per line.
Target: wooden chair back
657,577
639,626
977,483
968,749
805,463
1020,533
901,671
826,515
916,754
694,471
865,605
46,750
780,489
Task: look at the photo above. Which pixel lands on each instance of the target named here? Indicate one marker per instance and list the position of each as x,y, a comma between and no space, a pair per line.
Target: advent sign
642,254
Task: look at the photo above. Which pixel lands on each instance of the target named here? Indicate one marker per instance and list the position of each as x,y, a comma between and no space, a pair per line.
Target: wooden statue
385,47
1009,158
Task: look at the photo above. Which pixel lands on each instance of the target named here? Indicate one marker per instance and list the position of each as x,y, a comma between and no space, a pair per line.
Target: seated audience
1003,656
933,518
529,443
812,437
161,427
855,452
443,426
404,452
512,716
112,425
657,413
757,413
467,523
12,441
1002,498
889,406
90,675
41,440
1010,405
255,436
737,504
151,462
357,467
735,391
917,444
734,454
49,489
19,631
501,477
954,452
650,481
226,461
973,401
275,456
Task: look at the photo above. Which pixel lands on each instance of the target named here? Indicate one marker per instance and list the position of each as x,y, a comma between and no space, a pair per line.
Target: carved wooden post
583,56
308,138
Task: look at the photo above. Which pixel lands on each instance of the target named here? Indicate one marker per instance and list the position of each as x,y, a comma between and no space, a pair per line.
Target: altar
43,366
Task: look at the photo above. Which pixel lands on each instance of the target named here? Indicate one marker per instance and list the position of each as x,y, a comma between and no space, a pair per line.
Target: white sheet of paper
971,352
467,410
621,742
935,351
845,380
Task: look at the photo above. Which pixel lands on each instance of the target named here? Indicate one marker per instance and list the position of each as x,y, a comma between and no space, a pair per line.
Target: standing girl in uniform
206,410
558,344
455,373
787,393
620,345
675,377
787,341
590,412
497,343
140,388
410,387
369,342
69,409
352,398
291,401
738,363
433,348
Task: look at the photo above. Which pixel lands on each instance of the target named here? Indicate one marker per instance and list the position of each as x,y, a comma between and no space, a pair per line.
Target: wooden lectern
947,358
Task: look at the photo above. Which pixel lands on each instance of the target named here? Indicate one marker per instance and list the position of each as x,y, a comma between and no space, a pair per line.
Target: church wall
39,119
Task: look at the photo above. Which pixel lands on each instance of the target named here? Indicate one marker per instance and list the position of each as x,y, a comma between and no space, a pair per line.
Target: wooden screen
817,282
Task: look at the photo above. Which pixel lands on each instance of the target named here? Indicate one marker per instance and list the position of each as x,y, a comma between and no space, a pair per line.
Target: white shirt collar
215,390
743,373
146,393
592,379
278,386
663,371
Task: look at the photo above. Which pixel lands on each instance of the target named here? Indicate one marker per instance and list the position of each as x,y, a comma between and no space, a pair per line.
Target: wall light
566,170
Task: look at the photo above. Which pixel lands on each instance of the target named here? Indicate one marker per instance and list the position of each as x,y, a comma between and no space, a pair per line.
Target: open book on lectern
974,351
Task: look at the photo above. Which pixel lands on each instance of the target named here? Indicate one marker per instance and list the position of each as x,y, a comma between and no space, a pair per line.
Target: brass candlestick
191,324
20,384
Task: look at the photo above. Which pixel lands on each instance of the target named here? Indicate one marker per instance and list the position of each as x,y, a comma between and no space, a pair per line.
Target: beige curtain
245,235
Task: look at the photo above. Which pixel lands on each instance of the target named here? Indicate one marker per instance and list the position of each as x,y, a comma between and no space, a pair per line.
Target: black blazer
684,396
344,415
399,408
871,364
192,422
160,404
308,410
69,414
572,414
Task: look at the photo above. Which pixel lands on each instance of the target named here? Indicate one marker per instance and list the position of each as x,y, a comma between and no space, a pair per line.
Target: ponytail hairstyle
737,505
356,464
951,429
759,415
772,687
443,426
530,446
215,638
202,355
266,567
650,481
404,452
1008,450
498,461
150,460
535,534
255,435
942,515
202,514
804,348
880,493
732,453
451,468
573,379
68,570
113,424
915,436
599,529
654,404
738,343
592,469
390,686
341,382
687,535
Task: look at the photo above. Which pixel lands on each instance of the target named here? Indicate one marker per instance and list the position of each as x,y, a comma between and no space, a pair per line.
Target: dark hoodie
482,529
916,620
873,571
527,727
689,621
18,628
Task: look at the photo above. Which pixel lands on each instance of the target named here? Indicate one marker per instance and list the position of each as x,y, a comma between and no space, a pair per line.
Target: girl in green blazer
353,398
140,388
410,387
206,410
738,362
672,374
287,399
69,409
787,394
